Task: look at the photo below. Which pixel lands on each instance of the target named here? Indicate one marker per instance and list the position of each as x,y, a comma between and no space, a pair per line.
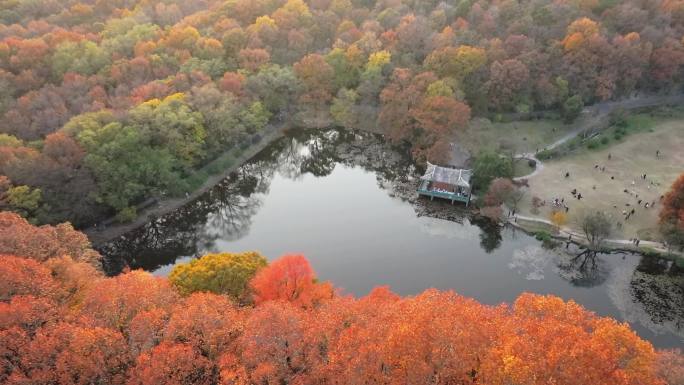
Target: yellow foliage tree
559,218
378,59
225,273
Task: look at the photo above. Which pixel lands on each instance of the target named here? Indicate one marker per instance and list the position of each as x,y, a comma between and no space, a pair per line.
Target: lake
347,202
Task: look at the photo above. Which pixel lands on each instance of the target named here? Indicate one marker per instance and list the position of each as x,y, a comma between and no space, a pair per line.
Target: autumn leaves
247,278
233,319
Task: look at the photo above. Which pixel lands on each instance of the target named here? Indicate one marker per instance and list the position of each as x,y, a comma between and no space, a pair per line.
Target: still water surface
346,201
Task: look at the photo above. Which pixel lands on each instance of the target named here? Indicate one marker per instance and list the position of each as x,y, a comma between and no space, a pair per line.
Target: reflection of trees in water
232,207
490,234
658,285
226,211
586,269
650,292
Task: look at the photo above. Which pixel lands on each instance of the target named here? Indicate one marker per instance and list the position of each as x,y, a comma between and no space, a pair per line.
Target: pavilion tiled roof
452,176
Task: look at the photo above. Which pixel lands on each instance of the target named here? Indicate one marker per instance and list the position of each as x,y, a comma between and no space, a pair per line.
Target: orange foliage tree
208,322
135,329
568,345
113,302
171,364
290,278
672,213
20,276
19,237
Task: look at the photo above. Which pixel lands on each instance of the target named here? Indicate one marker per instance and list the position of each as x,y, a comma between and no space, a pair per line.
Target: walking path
166,205
99,235
591,122
565,233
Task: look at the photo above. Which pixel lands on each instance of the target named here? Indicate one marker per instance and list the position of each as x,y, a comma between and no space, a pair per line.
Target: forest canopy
62,321
105,104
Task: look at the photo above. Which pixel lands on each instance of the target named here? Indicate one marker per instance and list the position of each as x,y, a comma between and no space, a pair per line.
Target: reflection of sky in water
358,236
531,260
440,228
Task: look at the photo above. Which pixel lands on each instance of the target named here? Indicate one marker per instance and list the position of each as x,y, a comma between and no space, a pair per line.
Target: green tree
24,200
7,140
225,273
572,108
85,58
126,167
343,108
596,227
254,117
121,35
171,124
275,86
346,73
489,166
221,116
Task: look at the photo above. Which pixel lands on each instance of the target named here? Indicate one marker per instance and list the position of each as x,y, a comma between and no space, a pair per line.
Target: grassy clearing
521,167
620,131
511,137
536,227
631,156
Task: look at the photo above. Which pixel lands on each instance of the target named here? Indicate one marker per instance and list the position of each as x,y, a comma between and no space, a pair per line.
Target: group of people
640,201
631,209
560,203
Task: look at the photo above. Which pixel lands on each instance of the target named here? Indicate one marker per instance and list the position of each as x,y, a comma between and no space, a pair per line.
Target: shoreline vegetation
125,113
161,206
592,121
597,123
544,230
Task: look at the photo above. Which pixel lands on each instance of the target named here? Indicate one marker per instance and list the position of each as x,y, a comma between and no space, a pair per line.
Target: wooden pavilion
447,183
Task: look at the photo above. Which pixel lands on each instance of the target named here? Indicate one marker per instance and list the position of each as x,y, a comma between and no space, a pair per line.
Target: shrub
126,215
547,154
546,239
593,144
542,236
488,166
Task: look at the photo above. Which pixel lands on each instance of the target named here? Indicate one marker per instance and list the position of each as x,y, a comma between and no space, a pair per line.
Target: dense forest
234,319
105,103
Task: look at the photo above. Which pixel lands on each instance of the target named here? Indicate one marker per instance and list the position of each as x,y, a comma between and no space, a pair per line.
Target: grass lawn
632,155
521,167
515,137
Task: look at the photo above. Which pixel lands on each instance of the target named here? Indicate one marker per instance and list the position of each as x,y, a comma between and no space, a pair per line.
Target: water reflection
490,235
226,210
583,268
650,293
347,201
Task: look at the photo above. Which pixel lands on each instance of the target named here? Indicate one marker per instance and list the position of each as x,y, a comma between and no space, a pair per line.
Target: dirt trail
590,122
592,118
575,236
